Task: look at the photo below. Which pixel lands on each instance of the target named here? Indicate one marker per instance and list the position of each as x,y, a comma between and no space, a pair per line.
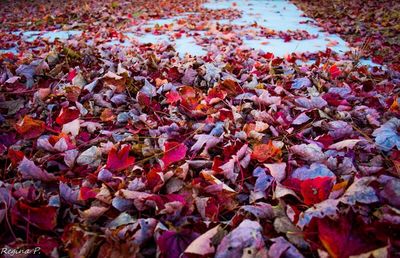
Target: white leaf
277,170
70,157
360,192
310,152
320,210
203,244
209,140
90,157
301,119
61,145
345,144
72,127
247,234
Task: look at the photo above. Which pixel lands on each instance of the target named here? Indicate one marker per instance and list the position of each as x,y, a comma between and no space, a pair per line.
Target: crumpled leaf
149,89
139,232
261,210
29,170
247,234
72,127
340,129
215,181
266,99
67,115
310,152
277,170
327,208
58,143
68,194
314,171
301,83
241,159
203,244
334,71
386,136
70,157
345,144
301,119
209,141
30,128
90,157
282,248
36,67
264,152
391,190
314,102
172,244
360,192
93,213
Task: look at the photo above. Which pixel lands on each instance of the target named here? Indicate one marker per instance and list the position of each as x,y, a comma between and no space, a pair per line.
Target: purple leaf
172,244
247,234
386,136
29,170
301,83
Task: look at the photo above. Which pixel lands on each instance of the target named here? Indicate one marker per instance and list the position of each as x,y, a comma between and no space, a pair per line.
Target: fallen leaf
173,244
264,152
29,170
247,234
174,152
24,213
203,244
30,128
119,160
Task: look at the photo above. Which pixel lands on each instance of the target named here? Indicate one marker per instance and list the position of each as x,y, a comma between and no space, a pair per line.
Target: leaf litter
140,152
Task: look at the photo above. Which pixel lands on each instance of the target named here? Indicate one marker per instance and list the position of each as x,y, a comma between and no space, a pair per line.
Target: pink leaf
29,170
174,152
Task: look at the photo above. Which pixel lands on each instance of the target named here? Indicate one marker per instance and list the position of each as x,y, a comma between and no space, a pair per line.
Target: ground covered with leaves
372,26
139,152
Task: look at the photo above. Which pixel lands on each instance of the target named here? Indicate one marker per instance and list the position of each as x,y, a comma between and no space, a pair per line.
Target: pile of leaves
86,14
111,151
371,26
117,151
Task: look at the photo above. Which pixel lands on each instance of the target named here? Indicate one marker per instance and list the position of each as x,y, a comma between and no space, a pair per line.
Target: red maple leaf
342,238
316,190
119,160
44,217
174,151
71,75
15,156
173,97
67,115
334,71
